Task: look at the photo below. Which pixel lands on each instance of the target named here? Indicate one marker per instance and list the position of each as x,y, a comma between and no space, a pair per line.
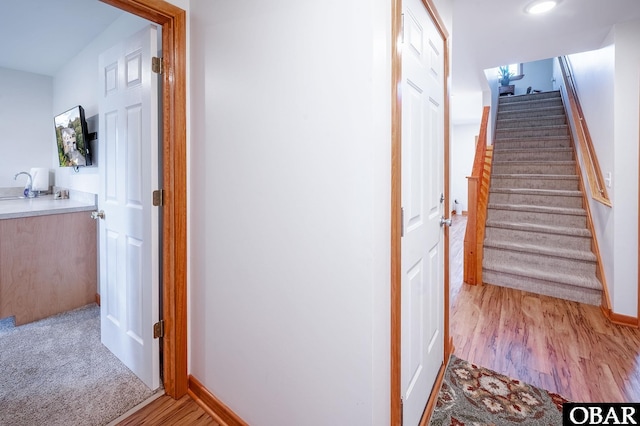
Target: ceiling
39,36
490,33
44,34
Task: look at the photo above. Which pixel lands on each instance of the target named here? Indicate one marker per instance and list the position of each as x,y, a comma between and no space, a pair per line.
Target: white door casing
129,231
422,194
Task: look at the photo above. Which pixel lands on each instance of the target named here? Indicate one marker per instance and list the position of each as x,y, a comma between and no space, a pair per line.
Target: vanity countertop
41,206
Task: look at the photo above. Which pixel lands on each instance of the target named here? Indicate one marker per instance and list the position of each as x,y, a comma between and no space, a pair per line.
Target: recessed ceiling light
538,7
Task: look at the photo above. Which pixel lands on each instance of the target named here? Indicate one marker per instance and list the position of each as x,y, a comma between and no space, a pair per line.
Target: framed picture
71,138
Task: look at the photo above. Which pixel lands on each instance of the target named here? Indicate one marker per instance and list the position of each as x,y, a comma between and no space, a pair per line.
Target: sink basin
12,197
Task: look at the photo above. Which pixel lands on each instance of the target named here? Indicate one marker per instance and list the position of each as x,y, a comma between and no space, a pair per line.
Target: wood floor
561,346
167,411
565,347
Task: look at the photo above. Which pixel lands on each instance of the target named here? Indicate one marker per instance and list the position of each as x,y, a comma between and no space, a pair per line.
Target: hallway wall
290,208
609,90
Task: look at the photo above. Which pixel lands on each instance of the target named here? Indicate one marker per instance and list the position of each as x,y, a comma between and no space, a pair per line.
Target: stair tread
534,227
538,209
538,109
542,138
511,129
522,102
501,150
580,255
534,117
532,191
534,162
534,176
576,279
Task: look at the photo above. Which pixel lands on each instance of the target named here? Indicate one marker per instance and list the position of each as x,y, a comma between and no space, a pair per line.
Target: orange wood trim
442,29
396,186
447,187
433,398
98,299
396,221
597,188
625,320
470,256
174,166
477,199
212,405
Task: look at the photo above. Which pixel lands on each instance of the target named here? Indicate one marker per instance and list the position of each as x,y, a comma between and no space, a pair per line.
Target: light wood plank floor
565,347
561,346
165,411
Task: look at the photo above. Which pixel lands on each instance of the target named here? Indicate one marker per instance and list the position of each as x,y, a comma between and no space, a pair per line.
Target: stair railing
478,198
594,174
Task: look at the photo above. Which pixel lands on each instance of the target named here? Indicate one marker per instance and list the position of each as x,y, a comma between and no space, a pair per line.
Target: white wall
290,176
26,124
463,150
594,76
537,74
77,84
609,91
625,176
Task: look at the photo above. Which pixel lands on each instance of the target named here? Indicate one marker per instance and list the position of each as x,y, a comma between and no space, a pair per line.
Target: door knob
97,215
444,221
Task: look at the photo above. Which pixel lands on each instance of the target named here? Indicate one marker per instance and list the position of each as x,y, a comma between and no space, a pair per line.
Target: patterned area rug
472,395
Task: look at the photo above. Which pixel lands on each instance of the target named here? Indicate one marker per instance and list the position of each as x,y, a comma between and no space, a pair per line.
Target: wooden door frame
174,182
396,205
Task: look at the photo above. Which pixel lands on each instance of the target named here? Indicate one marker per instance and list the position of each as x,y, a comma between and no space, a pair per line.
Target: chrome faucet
28,191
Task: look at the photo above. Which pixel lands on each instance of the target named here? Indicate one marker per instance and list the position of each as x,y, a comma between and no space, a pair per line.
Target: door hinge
157,65
158,197
401,411
402,29
158,329
401,221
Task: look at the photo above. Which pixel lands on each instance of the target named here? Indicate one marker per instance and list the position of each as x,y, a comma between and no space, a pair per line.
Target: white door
128,161
422,343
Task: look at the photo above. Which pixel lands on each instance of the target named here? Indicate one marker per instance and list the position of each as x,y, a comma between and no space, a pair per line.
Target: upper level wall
537,74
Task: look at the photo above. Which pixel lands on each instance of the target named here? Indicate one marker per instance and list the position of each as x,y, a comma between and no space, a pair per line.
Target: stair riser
563,291
504,155
514,168
570,221
530,97
533,183
541,112
516,106
535,200
532,143
529,122
527,237
531,132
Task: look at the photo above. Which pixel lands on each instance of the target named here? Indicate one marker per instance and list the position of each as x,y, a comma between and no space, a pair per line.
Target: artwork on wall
72,138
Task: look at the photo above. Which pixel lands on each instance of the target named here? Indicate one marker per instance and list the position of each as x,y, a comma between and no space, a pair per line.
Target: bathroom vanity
48,257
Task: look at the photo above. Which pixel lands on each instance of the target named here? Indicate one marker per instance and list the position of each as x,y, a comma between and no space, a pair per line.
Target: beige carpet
56,372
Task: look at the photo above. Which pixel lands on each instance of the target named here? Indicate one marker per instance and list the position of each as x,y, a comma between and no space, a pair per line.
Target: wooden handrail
589,157
478,198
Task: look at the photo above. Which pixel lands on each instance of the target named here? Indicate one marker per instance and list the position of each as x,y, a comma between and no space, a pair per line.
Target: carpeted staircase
536,236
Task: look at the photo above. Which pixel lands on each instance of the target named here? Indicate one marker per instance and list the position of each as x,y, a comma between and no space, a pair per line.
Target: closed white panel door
422,343
128,161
